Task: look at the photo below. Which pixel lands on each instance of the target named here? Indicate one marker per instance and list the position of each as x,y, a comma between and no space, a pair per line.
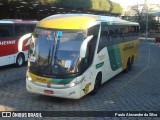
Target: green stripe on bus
114,57
99,65
117,56
61,81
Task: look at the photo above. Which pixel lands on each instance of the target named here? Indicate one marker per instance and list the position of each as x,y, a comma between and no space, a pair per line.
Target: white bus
72,55
14,41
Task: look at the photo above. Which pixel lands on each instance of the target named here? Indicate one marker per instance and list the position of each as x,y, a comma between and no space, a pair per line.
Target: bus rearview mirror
83,49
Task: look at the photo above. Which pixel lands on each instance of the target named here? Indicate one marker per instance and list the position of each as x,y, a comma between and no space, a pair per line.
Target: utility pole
146,5
158,13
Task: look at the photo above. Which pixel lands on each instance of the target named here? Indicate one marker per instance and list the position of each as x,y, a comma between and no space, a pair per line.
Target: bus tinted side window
120,33
113,32
6,30
92,44
125,33
104,37
21,29
30,28
110,35
130,33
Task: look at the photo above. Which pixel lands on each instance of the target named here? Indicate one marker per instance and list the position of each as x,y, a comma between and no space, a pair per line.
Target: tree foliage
101,5
98,5
115,8
152,24
73,3
141,17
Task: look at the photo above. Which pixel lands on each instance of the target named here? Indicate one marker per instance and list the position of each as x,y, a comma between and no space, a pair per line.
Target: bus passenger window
21,29
6,30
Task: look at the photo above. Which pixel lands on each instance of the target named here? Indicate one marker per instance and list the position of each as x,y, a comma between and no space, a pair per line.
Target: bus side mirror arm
83,48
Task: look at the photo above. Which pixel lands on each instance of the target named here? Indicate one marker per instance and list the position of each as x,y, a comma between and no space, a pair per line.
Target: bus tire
97,84
129,65
20,60
132,60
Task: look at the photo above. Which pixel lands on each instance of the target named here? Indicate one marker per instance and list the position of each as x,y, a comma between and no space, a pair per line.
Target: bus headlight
72,84
28,77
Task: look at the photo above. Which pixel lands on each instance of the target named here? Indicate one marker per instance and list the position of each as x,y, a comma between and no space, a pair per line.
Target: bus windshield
55,53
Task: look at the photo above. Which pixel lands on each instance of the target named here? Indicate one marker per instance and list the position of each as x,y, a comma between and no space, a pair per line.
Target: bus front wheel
20,60
97,84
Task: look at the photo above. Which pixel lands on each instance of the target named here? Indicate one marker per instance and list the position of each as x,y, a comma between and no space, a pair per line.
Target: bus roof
67,21
79,21
25,22
4,21
116,21
17,22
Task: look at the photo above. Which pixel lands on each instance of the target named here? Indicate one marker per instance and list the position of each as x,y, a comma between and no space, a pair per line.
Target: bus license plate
48,92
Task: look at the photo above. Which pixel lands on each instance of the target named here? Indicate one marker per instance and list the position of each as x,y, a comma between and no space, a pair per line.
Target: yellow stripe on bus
127,49
39,79
70,22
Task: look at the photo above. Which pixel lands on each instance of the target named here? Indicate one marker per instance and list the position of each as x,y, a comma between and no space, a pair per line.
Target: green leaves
152,24
101,5
96,5
86,4
115,8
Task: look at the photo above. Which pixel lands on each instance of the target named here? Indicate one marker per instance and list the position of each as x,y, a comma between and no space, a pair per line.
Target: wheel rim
20,61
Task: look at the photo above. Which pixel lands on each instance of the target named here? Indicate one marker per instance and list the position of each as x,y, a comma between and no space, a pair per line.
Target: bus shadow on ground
6,67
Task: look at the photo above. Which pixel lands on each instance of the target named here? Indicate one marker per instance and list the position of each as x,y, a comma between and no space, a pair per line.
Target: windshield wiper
49,55
57,46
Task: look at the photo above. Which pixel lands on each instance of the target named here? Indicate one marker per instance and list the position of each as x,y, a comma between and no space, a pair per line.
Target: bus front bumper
40,88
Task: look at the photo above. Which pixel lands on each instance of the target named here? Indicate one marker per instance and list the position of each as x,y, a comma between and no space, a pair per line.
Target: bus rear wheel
132,60
129,65
20,60
97,84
